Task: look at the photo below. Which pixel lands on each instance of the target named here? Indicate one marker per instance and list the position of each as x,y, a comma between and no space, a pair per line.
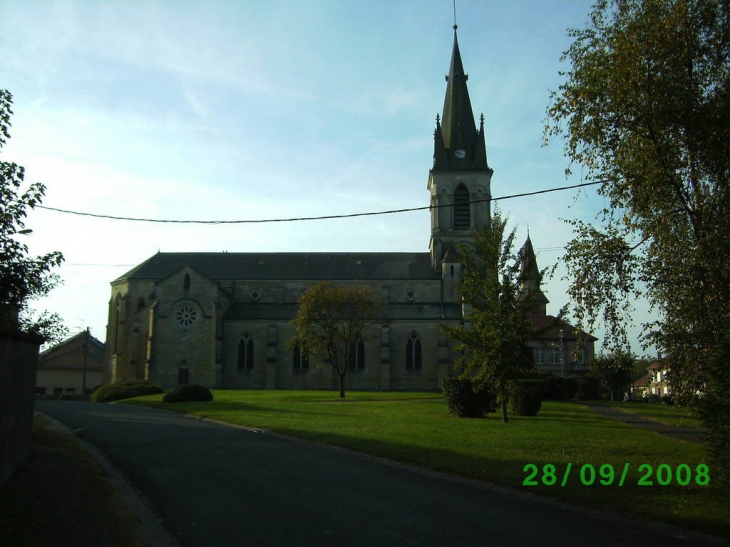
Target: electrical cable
302,219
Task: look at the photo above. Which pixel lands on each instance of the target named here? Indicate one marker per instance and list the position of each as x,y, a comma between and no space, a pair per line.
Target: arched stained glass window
413,353
300,359
357,357
245,352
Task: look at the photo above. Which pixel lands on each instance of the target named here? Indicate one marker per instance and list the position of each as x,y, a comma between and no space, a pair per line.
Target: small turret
530,277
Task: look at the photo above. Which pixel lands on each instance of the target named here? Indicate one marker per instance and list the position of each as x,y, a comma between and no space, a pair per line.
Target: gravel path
687,434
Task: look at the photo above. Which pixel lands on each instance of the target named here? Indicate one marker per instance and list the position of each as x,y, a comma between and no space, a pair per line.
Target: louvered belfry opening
462,216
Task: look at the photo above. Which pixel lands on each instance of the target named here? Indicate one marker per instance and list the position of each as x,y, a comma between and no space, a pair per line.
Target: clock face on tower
460,153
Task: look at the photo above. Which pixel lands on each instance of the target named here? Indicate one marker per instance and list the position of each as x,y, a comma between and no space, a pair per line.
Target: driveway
215,485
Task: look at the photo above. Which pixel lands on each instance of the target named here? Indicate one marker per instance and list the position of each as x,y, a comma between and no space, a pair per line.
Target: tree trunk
342,385
505,419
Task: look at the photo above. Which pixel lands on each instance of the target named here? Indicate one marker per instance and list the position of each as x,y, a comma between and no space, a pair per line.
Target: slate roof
69,354
553,333
316,266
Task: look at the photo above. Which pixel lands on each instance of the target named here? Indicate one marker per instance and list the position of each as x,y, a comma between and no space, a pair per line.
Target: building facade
223,319
72,368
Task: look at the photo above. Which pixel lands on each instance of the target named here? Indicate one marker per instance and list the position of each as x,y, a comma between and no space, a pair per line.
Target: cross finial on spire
455,25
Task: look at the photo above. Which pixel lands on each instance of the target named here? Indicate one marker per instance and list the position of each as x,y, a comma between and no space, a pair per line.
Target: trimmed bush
526,397
588,389
187,392
558,388
124,390
467,398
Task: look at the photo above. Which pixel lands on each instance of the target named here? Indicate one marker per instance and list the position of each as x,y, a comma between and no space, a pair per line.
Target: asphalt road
215,485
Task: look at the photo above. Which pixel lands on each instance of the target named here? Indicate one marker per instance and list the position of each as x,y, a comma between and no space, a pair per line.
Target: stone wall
18,362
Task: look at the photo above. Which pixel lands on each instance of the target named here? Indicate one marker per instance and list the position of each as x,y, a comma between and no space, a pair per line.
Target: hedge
187,392
467,398
124,390
526,396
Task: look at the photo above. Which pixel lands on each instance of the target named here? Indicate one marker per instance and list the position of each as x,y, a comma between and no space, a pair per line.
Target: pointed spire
530,275
528,268
457,106
458,128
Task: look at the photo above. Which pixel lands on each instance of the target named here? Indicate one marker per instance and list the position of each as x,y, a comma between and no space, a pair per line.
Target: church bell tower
459,181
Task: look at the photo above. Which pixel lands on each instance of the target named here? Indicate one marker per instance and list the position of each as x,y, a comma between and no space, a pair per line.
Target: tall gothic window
245,352
462,209
117,313
300,359
357,357
413,353
186,282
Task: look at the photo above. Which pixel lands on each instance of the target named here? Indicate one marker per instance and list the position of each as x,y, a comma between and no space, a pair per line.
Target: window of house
581,357
186,282
300,359
413,353
539,356
554,356
245,352
462,209
357,357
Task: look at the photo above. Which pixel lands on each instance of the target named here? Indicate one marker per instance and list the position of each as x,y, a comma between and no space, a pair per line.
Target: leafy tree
715,410
332,320
22,278
497,326
614,371
645,110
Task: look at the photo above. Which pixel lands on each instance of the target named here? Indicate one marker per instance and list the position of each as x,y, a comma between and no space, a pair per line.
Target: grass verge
416,428
63,498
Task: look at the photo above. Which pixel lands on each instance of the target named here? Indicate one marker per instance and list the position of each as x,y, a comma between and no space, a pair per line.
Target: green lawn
416,428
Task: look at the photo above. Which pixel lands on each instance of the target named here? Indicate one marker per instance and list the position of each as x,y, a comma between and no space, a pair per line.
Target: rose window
186,316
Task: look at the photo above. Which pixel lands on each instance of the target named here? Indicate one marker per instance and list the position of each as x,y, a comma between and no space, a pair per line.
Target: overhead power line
302,219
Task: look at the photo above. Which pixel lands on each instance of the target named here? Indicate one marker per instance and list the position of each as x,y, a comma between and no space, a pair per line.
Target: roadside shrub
714,409
467,398
587,389
124,390
187,392
558,388
526,397
667,400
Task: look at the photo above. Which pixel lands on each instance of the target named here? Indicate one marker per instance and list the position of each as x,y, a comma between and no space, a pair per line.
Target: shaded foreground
63,498
417,429
217,485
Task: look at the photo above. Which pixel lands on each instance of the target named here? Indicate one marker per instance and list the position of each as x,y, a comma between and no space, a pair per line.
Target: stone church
222,319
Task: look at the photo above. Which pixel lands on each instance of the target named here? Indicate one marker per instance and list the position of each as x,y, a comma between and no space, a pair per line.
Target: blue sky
229,110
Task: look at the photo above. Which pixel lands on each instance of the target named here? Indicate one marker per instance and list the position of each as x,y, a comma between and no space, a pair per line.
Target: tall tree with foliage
493,339
22,277
333,320
614,371
645,110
